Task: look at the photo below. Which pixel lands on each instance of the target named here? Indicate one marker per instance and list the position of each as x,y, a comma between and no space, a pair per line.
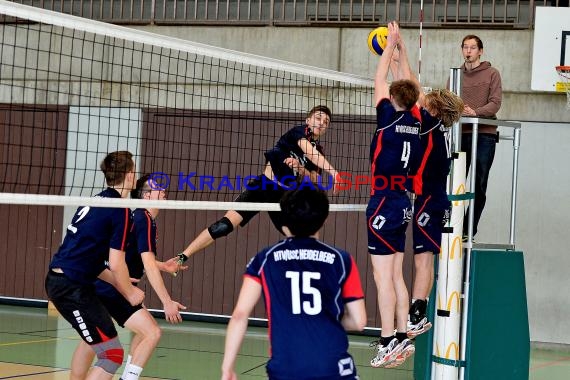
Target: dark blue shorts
430,216
387,217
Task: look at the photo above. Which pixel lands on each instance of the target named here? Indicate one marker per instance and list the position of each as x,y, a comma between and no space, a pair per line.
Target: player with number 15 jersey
306,284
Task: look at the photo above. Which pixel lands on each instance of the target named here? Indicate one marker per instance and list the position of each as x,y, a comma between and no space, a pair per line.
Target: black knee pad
221,228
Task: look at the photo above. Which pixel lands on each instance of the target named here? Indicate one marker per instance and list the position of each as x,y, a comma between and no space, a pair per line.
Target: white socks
131,371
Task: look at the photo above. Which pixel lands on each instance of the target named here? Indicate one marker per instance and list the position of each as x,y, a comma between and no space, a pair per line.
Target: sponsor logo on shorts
82,326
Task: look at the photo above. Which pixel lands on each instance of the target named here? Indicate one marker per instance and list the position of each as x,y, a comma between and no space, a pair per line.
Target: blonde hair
444,105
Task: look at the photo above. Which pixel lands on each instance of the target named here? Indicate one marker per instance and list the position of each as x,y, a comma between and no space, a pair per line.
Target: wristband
182,258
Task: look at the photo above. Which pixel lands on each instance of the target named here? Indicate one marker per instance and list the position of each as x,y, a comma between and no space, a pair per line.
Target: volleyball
377,40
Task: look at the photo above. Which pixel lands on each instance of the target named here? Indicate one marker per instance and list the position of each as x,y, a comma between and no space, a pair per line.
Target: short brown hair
472,37
405,93
444,105
116,165
320,108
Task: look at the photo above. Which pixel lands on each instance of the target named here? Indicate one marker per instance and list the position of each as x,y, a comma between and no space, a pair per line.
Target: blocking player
96,235
394,153
297,154
439,109
311,289
141,260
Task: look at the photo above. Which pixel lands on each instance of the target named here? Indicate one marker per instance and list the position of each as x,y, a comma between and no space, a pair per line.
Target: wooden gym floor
37,345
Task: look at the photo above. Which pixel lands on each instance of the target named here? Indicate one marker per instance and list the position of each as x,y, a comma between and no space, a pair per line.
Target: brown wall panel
32,160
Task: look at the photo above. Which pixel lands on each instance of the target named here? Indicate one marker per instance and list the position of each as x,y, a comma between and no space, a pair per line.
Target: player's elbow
240,315
360,323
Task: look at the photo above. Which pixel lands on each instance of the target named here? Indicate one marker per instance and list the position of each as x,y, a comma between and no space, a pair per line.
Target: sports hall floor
37,345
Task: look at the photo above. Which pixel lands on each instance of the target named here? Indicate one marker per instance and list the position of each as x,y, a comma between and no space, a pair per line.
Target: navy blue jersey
288,146
306,285
142,238
92,232
431,176
394,151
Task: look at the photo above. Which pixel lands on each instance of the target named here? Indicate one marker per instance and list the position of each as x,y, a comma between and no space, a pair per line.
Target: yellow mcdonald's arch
455,351
460,190
436,349
454,295
438,302
456,244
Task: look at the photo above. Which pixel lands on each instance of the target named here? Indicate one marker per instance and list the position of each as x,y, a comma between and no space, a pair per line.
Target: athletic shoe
415,329
407,349
386,354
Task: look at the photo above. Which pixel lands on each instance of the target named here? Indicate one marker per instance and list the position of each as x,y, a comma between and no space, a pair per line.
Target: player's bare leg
147,334
418,323
383,277
205,238
81,361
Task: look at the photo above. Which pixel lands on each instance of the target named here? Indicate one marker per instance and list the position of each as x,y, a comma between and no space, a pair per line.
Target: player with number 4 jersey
394,156
439,109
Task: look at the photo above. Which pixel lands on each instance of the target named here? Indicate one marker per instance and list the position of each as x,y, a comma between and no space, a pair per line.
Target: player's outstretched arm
249,295
171,308
406,70
172,266
381,86
318,159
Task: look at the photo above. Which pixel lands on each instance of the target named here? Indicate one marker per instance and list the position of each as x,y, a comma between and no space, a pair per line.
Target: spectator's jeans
485,154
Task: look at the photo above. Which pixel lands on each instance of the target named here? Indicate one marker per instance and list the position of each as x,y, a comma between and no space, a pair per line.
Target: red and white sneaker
419,328
386,354
407,349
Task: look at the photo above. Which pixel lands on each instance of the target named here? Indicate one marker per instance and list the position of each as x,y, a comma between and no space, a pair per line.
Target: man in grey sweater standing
482,93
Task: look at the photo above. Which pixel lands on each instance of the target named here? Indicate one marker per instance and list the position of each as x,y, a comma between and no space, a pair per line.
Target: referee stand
486,336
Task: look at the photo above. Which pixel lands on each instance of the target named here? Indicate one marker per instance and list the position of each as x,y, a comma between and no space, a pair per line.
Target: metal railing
437,13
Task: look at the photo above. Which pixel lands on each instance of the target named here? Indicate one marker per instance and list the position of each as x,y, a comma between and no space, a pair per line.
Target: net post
455,87
516,145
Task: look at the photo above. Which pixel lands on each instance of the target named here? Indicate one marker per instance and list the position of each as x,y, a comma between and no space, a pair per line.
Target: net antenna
564,84
420,47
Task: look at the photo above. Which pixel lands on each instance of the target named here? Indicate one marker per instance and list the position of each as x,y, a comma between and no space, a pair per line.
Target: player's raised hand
393,33
173,266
